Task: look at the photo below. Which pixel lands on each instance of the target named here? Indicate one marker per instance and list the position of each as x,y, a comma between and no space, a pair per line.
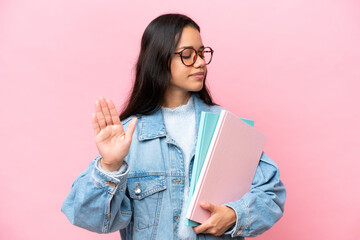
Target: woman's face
183,78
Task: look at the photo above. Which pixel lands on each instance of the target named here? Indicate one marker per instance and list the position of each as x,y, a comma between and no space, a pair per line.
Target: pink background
292,66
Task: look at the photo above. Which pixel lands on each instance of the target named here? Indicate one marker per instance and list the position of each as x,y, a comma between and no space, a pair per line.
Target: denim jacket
145,200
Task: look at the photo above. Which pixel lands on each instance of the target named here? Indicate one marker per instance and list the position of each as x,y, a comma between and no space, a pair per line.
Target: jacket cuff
241,227
112,182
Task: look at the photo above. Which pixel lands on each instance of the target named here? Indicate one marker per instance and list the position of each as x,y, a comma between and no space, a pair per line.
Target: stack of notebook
227,153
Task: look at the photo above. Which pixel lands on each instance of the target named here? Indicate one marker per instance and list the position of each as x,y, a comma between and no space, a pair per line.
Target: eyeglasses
189,55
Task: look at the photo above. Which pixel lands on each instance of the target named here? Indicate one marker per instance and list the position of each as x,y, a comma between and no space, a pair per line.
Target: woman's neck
175,99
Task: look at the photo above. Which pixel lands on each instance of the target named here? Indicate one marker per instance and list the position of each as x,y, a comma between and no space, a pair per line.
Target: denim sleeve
263,205
97,200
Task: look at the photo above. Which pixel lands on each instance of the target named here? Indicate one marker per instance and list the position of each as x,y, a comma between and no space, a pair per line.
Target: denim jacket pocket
146,193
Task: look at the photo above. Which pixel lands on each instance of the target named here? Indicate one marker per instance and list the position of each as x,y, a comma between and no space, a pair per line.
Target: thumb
208,206
131,128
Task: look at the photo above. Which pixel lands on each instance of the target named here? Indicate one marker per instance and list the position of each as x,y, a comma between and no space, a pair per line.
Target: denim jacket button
137,190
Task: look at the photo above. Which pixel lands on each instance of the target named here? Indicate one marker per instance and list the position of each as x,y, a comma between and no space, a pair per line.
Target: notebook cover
207,127
229,167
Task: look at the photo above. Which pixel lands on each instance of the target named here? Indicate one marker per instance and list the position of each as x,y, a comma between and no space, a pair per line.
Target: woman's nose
199,62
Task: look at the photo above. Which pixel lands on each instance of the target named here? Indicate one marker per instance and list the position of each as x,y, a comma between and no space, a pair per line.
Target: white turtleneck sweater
180,125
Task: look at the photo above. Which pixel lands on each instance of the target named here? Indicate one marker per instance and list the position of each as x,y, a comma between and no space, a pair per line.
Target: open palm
111,140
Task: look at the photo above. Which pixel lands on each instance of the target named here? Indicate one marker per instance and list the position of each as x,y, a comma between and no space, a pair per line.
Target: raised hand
111,140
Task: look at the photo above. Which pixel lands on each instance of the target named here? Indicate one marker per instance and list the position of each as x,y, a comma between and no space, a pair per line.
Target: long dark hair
153,74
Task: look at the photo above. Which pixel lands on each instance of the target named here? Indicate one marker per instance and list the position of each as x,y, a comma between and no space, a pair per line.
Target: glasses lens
188,56
207,55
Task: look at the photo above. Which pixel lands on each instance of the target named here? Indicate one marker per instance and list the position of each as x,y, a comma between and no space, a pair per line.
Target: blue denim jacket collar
153,126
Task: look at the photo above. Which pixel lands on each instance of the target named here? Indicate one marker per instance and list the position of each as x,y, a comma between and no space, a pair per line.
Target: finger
95,124
131,128
100,115
208,227
106,112
208,206
113,113
201,228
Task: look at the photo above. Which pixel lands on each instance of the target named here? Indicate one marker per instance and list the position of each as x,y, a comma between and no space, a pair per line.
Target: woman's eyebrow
182,47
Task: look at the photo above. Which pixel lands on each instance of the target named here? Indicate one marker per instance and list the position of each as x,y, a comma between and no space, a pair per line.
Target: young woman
139,182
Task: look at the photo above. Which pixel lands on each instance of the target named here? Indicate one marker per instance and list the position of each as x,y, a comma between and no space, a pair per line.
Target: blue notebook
207,127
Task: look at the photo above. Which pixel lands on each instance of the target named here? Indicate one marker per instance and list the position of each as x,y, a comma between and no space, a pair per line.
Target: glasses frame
199,52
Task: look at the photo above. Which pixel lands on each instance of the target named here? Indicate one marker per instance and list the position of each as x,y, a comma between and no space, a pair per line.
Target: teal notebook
207,127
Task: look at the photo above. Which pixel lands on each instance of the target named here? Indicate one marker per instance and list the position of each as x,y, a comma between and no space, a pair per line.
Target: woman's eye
186,57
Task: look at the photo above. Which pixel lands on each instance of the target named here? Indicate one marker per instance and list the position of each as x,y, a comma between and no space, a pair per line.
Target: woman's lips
198,75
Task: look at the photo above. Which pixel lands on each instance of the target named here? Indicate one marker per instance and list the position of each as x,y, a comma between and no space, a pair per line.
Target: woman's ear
169,63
